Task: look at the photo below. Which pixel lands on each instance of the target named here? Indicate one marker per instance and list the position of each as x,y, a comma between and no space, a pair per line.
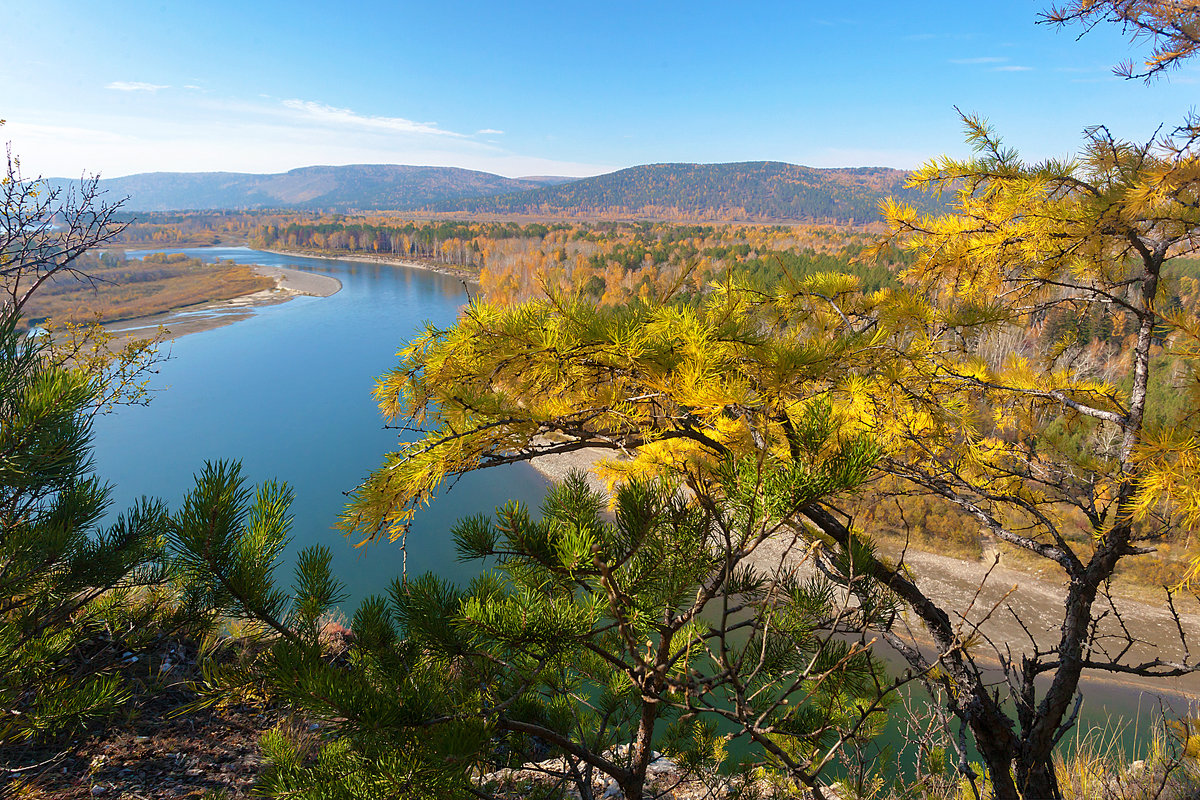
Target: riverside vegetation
119,289
750,413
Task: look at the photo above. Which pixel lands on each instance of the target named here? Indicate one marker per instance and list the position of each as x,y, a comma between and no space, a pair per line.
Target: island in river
133,297
197,316
284,284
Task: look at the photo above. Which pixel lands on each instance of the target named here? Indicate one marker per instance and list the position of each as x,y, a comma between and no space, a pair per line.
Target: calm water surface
288,392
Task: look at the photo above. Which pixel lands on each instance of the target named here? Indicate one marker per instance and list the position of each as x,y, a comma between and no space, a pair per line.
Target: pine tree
591,641
78,602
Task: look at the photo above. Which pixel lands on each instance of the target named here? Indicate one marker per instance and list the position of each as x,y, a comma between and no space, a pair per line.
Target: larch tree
1051,455
1173,28
1058,459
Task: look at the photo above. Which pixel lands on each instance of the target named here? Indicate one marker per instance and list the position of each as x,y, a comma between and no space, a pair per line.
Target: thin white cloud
135,86
344,117
250,138
979,60
1013,68
489,132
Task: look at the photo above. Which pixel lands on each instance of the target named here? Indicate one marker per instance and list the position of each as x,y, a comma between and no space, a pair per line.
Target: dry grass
1096,765
120,290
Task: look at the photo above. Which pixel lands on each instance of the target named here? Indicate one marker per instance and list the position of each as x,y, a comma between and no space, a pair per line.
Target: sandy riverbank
390,260
997,597
555,467
289,283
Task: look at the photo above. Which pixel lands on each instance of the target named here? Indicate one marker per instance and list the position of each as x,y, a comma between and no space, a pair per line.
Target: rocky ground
155,756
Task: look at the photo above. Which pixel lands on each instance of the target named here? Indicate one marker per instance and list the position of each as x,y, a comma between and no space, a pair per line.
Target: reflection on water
288,391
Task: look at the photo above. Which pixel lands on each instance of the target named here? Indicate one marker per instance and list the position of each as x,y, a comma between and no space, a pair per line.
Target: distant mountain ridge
357,186
769,190
754,190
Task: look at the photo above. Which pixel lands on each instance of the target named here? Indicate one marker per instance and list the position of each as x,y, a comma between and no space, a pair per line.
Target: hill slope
750,190
753,190
358,186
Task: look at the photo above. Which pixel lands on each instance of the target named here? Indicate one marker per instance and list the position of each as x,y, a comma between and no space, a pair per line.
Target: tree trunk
1037,781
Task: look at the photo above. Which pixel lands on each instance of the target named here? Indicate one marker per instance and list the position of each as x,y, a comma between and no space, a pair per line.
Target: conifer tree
1058,460
78,602
591,644
75,600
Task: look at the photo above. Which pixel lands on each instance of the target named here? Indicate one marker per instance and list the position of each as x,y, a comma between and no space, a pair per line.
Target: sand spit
206,316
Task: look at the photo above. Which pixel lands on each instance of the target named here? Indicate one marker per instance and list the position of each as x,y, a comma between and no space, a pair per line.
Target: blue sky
523,88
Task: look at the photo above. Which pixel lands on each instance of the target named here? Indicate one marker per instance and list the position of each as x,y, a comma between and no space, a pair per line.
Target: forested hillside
754,190
759,191
610,262
356,186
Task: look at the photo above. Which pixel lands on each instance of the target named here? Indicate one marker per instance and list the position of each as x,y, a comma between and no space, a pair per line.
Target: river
288,392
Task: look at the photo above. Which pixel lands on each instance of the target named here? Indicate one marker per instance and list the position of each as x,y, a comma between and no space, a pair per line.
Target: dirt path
998,596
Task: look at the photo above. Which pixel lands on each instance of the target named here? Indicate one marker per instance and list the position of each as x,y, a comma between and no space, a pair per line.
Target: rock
98,790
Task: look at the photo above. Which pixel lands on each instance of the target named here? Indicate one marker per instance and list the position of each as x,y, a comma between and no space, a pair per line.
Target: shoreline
212,314
390,260
289,283
555,466
955,584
